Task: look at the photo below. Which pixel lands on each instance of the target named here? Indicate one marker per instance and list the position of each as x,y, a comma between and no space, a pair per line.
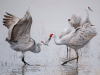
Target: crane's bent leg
24,60
72,59
68,61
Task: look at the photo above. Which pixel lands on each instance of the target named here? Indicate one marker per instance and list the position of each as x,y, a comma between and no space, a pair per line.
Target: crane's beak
91,10
48,39
44,43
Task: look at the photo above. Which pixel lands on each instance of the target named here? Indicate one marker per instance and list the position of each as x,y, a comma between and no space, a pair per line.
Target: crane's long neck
38,49
35,48
57,40
69,25
87,17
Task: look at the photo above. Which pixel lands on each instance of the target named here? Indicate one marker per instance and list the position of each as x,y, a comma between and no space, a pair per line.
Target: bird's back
83,36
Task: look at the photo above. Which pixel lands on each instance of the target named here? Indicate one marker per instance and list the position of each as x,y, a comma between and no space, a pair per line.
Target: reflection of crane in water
23,70
76,39
19,34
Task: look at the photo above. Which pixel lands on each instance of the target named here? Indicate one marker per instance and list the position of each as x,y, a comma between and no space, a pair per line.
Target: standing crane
76,39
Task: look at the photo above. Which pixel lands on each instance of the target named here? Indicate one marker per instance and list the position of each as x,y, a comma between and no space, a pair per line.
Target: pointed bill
91,10
44,43
47,42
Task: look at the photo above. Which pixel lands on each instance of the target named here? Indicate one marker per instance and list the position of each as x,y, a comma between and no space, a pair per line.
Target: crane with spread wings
19,34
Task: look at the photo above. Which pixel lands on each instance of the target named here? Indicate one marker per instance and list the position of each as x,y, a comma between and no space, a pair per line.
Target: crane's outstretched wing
10,20
21,31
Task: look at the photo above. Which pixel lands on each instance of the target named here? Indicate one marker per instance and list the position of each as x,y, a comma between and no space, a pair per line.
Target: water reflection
19,71
71,68
23,70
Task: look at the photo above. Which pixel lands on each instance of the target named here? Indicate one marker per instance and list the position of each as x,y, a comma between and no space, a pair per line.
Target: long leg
68,61
72,59
24,60
67,51
77,55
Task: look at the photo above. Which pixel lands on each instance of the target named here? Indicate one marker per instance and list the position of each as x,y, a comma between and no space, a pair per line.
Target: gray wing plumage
10,20
21,31
83,35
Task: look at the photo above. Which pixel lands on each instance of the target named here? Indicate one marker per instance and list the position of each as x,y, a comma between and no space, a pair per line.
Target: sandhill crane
77,21
73,25
19,34
77,38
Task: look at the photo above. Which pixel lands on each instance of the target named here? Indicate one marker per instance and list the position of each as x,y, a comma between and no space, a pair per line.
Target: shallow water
49,63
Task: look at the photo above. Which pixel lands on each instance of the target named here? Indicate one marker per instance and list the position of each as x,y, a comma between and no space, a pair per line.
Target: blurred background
50,16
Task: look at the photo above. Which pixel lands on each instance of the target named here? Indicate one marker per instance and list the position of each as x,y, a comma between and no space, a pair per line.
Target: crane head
90,9
69,19
42,42
51,35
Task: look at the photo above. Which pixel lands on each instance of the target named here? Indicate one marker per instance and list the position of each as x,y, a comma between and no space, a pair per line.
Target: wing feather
10,20
21,31
83,36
